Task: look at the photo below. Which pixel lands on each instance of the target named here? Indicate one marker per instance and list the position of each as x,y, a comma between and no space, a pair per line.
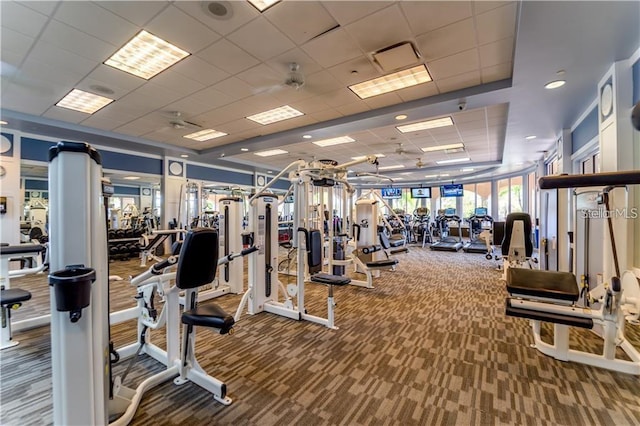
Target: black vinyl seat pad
382,263
13,295
21,249
323,278
209,315
546,284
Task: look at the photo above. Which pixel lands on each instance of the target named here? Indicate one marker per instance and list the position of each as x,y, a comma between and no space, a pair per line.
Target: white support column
174,176
11,193
564,210
616,144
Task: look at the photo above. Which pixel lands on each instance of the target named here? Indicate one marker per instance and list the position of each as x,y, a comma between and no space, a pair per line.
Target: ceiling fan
401,150
178,122
420,164
294,80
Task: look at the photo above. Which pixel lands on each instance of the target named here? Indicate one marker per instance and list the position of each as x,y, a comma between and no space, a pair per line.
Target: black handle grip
248,250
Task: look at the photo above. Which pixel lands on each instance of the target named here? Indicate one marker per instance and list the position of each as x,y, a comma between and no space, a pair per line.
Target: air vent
218,9
398,56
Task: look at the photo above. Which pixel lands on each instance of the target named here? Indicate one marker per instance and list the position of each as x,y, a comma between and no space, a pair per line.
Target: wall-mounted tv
391,192
420,192
453,190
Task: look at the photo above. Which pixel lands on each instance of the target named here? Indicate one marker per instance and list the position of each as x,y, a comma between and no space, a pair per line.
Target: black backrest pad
384,241
314,251
198,258
508,230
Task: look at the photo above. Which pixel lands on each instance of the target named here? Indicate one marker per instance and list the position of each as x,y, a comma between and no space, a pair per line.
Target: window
483,196
469,200
532,194
516,204
445,202
503,199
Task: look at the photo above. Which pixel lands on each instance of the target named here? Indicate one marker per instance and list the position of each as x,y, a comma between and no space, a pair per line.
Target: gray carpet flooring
430,344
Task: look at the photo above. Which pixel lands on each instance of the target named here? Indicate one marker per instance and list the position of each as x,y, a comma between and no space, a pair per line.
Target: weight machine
266,293
548,296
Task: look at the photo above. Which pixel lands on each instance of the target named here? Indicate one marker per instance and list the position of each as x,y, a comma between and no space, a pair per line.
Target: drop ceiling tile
339,97
23,98
230,112
237,126
449,66
44,7
138,127
353,108
383,100
199,70
179,28
72,40
101,23
418,92
239,13
57,58
380,29
428,16
301,21
41,76
496,24
261,102
263,78
16,16
345,12
332,48
234,87
212,97
328,114
103,123
177,82
136,12
363,67
228,57
261,39
322,82
15,46
65,114
496,72
484,6
118,81
448,40
281,63
496,53
310,105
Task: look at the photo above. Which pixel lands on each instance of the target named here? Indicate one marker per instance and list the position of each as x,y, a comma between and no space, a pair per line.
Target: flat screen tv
450,212
420,192
453,190
391,193
481,211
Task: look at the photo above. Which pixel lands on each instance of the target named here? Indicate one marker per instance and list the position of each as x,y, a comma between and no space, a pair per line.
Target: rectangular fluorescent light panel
79,100
392,82
146,55
455,160
442,147
424,125
271,152
263,5
397,166
205,135
362,157
334,141
274,115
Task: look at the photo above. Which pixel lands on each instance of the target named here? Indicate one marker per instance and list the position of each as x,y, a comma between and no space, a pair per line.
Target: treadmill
447,242
477,225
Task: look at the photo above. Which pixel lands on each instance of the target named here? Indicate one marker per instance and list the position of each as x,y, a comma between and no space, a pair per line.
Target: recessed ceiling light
392,82
362,157
431,176
398,178
530,137
554,84
274,115
454,160
401,117
146,55
334,141
269,171
205,135
79,100
442,147
307,136
423,125
263,5
468,169
3,123
397,166
184,156
271,152
131,177
444,175
244,149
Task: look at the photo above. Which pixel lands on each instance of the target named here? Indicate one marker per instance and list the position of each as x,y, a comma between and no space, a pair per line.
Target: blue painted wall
36,185
586,130
126,190
216,175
